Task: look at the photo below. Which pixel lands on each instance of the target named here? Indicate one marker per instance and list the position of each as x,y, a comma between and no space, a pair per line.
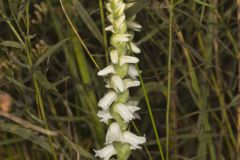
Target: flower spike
107,100
117,110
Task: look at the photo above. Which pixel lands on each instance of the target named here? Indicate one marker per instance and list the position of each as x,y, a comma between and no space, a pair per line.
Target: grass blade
88,21
50,52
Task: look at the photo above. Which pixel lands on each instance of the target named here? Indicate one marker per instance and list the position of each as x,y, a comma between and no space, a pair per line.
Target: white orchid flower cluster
116,109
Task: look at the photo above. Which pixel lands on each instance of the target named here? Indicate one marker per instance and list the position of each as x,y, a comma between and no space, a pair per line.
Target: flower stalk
116,109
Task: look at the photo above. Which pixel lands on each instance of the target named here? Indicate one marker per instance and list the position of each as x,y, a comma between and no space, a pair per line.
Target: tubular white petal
104,116
108,6
128,59
134,48
114,56
107,100
109,28
132,72
120,8
116,38
124,112
133,140
130,4
131,83
105,71
134,26
132,103
137,116
132,18
116,2
133,109
106,153
120,20
117,84
108,85
110,18
114,133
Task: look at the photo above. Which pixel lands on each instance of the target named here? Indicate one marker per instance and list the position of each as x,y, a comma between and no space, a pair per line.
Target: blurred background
49,88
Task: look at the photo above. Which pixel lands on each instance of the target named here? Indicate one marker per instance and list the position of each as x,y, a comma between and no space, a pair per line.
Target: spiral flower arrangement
116,108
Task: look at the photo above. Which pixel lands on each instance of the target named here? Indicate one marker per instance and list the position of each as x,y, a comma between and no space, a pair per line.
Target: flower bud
133,140
107,100
104,116
117,84
114,133
124,112
106,153
114,56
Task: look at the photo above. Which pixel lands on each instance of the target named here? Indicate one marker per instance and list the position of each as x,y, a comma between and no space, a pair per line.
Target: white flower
114,133
132,18
120,85
114,56
107,85
131,83
115,2
108,6
105,71
128,59
110,18
132,72
120,21
106,153
130,4
133,140
116,38
107,100
132,103
135,48
109,28
117,84
124,112
136,116
132,106
134,26
133,109
104,116
120,9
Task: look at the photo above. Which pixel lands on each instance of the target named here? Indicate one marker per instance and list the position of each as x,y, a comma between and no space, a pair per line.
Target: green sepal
122,48
121,71
120,28
123,150
122,97
114,4
123,125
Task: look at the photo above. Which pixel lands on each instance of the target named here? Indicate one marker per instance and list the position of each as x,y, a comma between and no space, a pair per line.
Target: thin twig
80,39
27,124
169,79
238,55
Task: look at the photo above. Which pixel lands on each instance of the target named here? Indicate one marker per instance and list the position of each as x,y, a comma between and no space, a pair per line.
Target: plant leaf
11,44
25,133
19,84
49,52
137,7
88,21
203,3
43,81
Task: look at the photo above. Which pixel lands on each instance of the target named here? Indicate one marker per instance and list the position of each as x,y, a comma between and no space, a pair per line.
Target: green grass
189,76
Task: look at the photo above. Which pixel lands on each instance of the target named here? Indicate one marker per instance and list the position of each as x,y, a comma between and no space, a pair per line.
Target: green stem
169,79
145,147
103,30
39,99
151,115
